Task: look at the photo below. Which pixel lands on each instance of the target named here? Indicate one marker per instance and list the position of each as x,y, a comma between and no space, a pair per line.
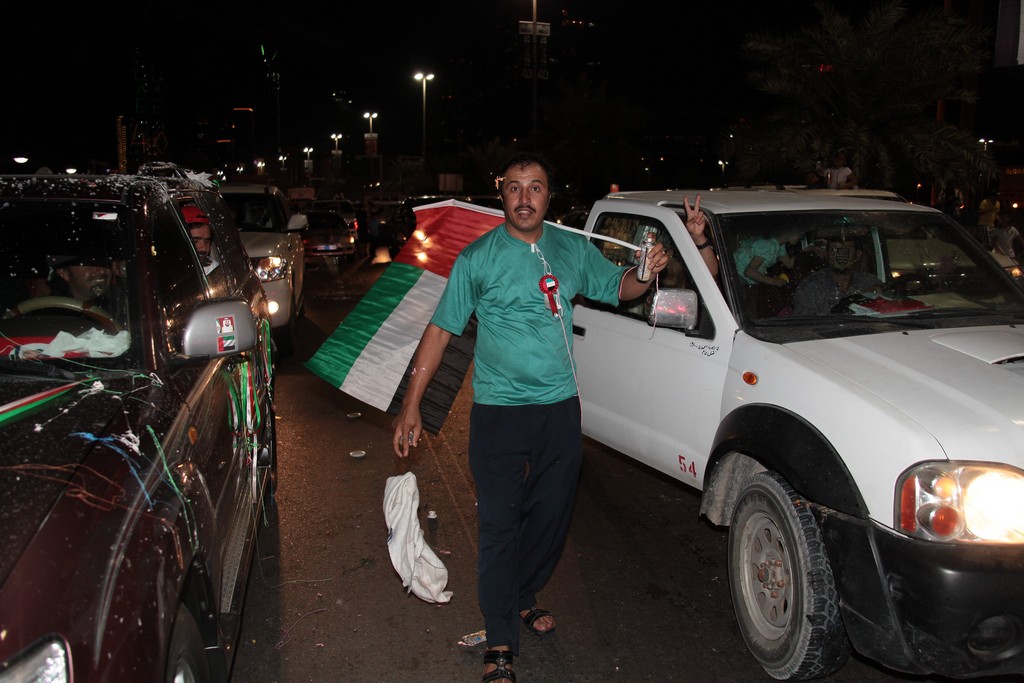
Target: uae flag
369,356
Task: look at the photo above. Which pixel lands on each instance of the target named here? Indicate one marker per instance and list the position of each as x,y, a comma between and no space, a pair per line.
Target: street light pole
424,78
536,67
371,149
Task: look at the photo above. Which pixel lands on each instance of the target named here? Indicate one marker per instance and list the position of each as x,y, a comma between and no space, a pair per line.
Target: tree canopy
869,85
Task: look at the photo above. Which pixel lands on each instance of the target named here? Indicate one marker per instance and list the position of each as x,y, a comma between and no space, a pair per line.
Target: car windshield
811,269
257,212
338,205
323,220
66,297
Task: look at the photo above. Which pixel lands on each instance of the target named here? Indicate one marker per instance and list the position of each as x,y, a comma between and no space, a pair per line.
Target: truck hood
965,386
47,429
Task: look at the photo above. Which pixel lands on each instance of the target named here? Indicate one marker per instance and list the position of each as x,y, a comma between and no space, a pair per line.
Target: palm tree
870,87
484,161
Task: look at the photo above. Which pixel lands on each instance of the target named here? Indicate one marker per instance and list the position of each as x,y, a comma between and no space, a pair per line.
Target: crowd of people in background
991,223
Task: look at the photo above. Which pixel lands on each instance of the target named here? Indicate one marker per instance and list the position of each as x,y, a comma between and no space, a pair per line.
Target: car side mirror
219,328
298,221
675,308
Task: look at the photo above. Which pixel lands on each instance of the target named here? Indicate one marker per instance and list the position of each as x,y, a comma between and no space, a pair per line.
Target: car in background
405,216
272,236
343,207
492,201
862,441
1010,265
138,431
575,217
328,235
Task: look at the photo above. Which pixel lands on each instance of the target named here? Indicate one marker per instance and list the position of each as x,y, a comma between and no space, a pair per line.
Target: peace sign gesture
696,221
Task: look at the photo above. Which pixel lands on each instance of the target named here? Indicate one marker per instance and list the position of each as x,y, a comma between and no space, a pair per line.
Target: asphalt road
640,594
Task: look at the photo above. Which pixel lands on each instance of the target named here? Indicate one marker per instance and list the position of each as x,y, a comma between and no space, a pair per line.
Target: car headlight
270,268
44,662
962,502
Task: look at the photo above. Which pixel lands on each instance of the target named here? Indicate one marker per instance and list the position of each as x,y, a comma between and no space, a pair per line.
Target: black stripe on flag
440,395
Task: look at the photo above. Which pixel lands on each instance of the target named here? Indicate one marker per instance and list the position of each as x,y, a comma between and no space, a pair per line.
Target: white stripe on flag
379,369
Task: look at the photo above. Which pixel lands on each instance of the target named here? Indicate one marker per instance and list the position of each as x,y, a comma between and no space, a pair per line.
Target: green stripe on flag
335,357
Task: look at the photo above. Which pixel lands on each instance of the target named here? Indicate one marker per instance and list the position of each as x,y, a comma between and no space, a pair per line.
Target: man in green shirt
525,443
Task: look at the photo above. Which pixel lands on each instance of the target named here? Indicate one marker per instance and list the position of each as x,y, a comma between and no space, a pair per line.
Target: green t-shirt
522,353
769,249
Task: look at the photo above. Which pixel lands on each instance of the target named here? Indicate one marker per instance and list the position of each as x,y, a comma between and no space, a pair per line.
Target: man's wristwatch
704,245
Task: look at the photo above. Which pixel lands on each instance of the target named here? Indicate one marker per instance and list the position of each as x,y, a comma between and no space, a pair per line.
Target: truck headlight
962,502
270,268
44,662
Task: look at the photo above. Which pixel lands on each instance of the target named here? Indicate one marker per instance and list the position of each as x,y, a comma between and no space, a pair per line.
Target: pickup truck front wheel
781,581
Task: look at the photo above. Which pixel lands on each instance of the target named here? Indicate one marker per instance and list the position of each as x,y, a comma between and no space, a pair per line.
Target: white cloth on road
415,561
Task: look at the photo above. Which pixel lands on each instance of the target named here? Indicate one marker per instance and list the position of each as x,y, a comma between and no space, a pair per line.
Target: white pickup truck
855,417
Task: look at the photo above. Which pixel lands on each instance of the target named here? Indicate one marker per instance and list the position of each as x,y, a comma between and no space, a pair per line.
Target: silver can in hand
644,266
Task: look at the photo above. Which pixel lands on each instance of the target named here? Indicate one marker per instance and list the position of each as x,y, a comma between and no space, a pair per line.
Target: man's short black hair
525,159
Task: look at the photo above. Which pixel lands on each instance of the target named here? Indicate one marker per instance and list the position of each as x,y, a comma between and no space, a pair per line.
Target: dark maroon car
136,431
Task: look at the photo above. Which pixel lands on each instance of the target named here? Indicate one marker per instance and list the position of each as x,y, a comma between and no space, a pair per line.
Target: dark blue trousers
526,464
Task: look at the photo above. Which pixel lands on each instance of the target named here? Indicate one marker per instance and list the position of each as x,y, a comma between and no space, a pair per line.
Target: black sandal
531,617
500,659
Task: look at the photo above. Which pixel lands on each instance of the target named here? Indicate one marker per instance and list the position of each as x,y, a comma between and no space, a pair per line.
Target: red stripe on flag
442,231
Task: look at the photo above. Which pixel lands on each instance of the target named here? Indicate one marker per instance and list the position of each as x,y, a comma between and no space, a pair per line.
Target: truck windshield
797,269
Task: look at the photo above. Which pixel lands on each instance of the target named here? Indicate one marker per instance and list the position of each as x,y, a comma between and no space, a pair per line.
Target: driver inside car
82,287
840,278
84,278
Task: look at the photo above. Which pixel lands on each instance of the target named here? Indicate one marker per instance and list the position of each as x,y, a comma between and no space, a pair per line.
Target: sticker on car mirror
226,334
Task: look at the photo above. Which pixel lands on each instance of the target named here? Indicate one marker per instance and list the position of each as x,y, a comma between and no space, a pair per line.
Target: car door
642,387
212,431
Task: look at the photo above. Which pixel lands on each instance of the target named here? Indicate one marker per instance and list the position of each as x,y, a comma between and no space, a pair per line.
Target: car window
179,283
232,250
256,212
631,229
233,264
67,276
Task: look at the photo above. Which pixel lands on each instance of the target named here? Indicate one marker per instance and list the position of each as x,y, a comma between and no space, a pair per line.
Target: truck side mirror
675,308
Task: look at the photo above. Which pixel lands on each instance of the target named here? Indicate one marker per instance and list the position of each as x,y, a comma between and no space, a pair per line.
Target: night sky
69,73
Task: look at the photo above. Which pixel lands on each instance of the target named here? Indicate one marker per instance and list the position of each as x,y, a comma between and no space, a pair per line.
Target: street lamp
370,117
308,163
335,137
424,78
282,159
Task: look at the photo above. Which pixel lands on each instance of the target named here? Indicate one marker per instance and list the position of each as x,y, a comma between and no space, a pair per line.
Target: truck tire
783,591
